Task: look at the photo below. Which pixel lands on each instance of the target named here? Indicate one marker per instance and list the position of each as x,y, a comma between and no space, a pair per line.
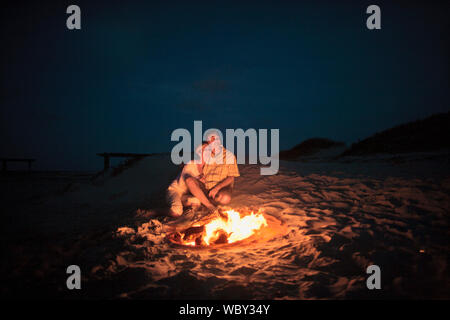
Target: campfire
221,227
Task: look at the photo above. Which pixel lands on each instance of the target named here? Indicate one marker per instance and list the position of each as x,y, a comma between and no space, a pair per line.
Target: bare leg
194,188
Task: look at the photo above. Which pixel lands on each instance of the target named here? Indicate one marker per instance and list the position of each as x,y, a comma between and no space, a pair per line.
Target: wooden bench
107,155
6,160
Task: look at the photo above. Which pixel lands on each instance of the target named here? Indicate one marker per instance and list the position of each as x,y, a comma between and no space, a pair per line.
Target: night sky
137,70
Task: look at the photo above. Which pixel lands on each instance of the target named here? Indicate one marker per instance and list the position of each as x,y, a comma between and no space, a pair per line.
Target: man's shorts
176,198
228,189
206,191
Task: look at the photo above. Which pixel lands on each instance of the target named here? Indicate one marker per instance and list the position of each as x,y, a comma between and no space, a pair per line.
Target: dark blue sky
138,70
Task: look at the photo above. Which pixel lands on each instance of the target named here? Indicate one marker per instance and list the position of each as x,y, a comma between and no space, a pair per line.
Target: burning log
192,231
193,235
221,238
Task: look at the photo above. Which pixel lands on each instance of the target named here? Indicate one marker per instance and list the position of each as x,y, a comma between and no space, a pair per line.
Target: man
212,183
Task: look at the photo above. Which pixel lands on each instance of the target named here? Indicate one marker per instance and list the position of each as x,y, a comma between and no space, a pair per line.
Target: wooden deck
6,160
107,155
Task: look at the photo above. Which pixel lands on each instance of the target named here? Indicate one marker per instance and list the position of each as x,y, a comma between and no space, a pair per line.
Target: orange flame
232,227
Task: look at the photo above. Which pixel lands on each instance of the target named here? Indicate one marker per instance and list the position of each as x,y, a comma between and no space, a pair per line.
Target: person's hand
213,192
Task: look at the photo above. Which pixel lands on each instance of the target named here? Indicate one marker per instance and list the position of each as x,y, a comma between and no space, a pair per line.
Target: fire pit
225,227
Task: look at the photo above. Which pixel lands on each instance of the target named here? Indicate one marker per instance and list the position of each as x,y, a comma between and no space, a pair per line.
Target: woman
178,192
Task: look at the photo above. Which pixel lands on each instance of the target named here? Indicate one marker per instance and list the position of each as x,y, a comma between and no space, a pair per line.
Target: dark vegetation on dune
426,135
309,147
430,134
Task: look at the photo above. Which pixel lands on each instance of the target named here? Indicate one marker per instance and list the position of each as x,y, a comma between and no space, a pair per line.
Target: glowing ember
227,227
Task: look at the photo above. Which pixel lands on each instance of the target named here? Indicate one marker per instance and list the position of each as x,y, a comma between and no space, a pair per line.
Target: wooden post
106,162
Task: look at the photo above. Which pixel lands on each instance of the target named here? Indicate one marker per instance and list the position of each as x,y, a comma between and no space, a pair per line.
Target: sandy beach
338,217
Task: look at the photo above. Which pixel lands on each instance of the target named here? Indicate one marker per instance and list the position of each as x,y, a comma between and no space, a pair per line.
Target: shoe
193,202
176,209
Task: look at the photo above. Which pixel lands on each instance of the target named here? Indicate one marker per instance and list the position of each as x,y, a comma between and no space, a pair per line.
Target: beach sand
338,218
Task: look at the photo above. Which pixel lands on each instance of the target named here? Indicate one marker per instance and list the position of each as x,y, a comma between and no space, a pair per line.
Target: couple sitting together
207,182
